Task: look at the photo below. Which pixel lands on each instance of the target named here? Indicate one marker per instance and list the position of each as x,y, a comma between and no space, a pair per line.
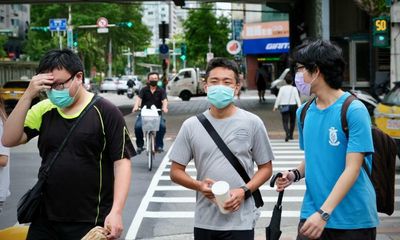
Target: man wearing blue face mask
245,135
339,202
88,183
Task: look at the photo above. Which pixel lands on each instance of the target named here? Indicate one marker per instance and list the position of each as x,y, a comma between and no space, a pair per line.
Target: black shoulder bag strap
44,173
230,156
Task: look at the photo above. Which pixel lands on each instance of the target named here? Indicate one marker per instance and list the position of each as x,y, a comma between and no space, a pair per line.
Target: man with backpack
339,201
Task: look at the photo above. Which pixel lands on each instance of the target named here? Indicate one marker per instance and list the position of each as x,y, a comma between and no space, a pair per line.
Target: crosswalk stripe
264,214
264,187
193,199
191,163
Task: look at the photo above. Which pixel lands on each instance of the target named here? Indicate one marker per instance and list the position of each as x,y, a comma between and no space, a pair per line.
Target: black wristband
297,175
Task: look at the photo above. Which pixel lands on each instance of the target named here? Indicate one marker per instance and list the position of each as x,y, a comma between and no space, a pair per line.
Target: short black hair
224,63
153,73
60,59
325,56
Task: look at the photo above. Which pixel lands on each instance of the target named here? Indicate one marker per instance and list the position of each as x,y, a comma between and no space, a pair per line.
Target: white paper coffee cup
220,190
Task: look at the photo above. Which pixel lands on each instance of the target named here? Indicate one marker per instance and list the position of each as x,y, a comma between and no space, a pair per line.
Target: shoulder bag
30,202
230,156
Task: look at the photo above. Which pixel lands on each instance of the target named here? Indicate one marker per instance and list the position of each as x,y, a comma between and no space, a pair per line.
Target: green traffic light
129,24
381,38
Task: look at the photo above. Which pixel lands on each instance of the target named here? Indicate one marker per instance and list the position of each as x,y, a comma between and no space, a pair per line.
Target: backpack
383,170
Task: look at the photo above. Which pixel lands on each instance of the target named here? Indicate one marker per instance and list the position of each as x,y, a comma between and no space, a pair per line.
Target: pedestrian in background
88,183
245,135
339,202
149,95
4,161
261,83
287,102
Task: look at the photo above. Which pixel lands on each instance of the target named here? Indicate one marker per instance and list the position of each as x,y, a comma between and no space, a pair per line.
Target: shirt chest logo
333,139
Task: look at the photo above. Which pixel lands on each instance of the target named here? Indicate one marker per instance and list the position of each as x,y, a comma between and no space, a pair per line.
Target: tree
92,46
3,40
200,25
373,7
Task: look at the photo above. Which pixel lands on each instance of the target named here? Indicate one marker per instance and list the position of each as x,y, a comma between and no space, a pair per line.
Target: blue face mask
60,98
220,96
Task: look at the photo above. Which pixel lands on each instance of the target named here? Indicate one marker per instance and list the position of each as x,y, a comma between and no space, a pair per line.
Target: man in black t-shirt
151,95
88,183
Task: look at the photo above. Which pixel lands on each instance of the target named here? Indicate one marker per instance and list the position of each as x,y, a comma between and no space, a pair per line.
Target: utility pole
109,58
173,55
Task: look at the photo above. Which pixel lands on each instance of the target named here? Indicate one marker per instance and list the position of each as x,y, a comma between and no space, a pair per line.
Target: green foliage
92,46
3,40
373,7
198,27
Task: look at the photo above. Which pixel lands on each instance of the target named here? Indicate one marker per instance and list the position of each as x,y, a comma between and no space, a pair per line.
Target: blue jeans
159,136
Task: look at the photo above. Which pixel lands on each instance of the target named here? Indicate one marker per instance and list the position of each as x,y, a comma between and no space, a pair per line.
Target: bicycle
150,125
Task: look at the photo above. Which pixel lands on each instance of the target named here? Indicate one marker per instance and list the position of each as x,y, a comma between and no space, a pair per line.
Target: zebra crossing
166,202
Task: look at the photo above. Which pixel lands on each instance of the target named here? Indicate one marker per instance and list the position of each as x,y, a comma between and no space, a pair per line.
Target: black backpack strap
345,126
230,156
304,112
343,113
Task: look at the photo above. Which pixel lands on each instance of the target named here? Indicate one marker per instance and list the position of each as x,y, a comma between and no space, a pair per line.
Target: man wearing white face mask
339,202
246,137
87,184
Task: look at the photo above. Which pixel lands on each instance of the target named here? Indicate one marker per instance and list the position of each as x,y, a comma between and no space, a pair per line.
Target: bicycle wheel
150,150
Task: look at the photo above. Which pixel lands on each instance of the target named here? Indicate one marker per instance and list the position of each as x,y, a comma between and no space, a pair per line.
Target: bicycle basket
150,123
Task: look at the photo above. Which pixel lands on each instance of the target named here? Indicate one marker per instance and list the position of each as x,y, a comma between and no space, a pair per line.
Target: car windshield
393,97
16,84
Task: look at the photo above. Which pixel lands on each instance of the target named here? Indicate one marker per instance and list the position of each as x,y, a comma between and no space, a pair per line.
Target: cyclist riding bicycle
149,95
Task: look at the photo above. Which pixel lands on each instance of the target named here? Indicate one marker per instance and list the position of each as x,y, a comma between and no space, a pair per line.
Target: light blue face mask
220,96
60,98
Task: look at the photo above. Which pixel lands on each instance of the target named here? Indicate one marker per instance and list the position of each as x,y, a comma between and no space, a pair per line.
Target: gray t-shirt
247,138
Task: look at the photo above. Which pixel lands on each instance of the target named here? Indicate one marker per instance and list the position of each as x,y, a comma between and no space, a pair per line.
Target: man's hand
237,197
313,227
135,109
40,82
284,181
205,188
165,109
113,224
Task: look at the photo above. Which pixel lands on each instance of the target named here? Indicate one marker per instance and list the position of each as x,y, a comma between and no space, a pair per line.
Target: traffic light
381,32
40,29
125,24
183,52
75,39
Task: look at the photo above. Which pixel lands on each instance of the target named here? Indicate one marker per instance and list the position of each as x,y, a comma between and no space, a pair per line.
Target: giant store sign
266,38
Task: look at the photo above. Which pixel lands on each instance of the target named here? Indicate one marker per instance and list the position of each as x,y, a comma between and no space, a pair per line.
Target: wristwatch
247,192
324,215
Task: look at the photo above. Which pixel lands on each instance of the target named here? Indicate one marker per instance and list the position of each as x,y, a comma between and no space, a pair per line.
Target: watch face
325,216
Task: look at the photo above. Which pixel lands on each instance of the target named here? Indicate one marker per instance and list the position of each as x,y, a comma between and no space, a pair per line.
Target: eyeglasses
297,68
60,86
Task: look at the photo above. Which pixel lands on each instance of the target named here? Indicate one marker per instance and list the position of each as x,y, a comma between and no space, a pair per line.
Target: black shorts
341,234
205,234
43,229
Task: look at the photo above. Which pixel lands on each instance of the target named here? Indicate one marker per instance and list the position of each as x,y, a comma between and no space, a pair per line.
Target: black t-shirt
149,98
80,185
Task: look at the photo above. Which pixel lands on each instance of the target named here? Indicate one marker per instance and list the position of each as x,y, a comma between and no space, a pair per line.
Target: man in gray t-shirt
245,135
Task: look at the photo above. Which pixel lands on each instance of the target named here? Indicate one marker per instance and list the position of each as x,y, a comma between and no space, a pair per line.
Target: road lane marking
141,211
